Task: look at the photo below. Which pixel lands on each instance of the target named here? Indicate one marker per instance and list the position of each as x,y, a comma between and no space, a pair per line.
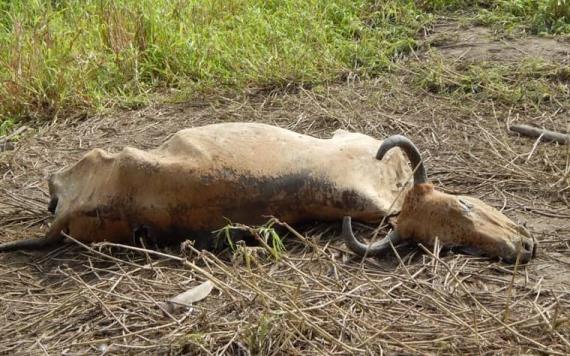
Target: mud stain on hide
228,197
290,191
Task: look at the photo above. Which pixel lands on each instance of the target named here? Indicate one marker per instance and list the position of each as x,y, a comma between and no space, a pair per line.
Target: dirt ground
479,43
318,298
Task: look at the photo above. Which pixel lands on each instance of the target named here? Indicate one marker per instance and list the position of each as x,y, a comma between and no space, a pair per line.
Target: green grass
60,57
81,54
6,126
265,234
533,16
259,333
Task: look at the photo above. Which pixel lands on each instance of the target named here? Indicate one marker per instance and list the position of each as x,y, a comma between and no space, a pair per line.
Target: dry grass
312,301
318,298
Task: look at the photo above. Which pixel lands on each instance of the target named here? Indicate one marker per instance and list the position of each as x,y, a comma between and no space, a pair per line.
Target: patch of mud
479,44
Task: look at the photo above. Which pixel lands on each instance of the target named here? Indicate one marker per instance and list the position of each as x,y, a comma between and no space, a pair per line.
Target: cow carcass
204,177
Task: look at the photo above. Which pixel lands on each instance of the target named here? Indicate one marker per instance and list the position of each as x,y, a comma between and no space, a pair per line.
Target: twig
19,130
543,134
219,284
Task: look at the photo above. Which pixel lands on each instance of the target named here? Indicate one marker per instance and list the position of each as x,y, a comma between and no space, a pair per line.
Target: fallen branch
16,132
5,144
545,135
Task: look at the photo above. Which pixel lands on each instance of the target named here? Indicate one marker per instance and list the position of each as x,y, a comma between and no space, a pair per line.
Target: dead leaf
192,295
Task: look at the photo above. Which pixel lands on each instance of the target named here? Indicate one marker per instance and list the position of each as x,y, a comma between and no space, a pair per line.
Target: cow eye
465,205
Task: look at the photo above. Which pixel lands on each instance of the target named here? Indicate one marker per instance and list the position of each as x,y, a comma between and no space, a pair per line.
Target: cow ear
393,220
465,205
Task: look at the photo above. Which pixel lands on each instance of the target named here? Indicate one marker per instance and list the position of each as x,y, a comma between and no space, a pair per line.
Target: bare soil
480,44
318,298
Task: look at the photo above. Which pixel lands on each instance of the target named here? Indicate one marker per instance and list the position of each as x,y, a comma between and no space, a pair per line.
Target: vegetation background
64,57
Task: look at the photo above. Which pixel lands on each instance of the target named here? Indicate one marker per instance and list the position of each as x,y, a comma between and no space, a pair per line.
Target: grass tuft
533,16
6,126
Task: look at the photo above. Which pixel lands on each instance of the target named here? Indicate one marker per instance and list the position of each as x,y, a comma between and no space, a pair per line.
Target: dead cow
203,177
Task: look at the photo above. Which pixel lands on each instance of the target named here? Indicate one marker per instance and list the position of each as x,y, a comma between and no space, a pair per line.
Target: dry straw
317,298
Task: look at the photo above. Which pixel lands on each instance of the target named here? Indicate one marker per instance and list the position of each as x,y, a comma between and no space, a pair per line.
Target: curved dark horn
363,249
410,150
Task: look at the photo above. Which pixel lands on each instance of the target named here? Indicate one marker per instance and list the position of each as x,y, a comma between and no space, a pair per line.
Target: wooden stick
545,135
6,144
4,139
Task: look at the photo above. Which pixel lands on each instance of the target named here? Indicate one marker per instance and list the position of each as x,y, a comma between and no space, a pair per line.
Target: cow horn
411,152
363,249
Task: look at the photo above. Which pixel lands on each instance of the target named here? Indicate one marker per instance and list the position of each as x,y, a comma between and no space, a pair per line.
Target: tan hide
462,221
204,177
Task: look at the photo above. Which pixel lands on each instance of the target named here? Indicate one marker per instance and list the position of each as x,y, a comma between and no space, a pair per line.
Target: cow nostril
53,205
527,246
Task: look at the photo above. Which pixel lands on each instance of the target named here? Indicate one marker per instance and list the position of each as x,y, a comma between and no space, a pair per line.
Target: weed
271,239
266,235
438,5
259,334
224,237
533,16
190,343
6,126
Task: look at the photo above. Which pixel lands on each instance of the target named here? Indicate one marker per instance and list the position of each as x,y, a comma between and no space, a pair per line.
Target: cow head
457,221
